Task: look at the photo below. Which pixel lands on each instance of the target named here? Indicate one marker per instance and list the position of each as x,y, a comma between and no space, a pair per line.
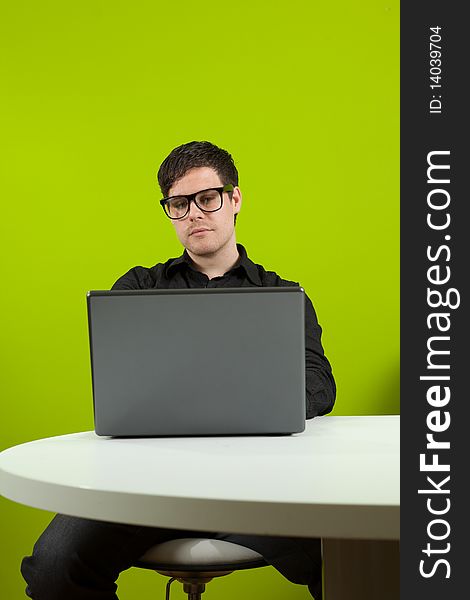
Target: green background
305,95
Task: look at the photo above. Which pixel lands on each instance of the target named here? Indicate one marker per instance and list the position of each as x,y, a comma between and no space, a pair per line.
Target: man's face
202,233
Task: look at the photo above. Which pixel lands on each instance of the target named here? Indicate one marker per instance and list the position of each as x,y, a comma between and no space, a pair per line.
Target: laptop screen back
213,361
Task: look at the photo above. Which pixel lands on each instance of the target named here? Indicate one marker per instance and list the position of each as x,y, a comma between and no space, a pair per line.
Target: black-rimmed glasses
210,200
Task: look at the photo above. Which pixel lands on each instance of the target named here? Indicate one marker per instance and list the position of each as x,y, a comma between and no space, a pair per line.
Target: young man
80,559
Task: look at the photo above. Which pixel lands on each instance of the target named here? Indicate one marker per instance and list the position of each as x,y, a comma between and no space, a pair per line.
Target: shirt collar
184,261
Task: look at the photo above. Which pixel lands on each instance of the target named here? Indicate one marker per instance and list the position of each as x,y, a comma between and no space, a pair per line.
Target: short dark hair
192,155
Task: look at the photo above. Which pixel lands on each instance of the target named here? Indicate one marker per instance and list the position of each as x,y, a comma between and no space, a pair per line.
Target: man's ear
236,200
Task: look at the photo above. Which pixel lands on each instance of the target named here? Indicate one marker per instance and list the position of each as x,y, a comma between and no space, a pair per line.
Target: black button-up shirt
177,273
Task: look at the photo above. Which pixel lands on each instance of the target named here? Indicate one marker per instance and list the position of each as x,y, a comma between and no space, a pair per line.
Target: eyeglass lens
208,201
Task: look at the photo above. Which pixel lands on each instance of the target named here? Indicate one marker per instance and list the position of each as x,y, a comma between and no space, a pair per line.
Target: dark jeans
80,559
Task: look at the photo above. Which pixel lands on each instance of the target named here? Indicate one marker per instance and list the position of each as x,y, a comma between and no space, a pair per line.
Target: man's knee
58,575
45,573
59,568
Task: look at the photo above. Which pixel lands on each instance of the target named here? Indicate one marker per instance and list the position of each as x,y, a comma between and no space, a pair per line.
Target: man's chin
201,248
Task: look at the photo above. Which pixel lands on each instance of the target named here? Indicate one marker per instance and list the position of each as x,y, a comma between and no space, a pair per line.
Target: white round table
338,480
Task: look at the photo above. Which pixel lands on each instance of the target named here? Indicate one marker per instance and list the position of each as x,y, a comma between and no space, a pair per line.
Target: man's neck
217,264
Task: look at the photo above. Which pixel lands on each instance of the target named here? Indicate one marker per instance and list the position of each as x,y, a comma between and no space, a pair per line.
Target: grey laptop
219,361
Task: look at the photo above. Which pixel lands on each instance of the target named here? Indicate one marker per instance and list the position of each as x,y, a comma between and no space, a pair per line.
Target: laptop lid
216,361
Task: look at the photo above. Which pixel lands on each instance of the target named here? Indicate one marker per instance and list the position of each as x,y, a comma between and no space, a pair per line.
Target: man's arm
320,383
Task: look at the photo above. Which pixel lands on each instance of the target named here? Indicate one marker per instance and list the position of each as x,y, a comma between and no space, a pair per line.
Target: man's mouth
199,230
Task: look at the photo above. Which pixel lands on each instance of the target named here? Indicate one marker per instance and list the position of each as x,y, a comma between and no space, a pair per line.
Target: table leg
361,569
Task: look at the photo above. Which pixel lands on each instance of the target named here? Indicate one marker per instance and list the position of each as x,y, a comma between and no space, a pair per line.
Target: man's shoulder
259,275
143,278
272,279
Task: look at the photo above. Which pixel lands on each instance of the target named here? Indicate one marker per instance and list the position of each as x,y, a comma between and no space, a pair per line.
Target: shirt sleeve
320,383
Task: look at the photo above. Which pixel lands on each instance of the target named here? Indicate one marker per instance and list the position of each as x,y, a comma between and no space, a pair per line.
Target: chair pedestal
194,584
196,561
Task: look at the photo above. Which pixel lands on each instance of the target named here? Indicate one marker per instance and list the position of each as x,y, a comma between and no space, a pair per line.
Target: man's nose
194,210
